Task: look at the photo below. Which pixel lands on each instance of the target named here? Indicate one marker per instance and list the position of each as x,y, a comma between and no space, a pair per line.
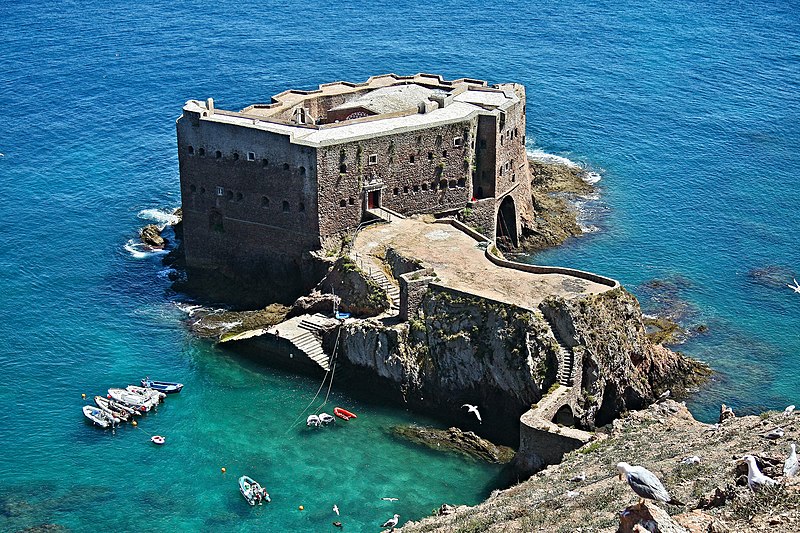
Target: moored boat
252,491
344,414
122,407
97,416
167,387
106,405
131,399
326,419
151,394
110,413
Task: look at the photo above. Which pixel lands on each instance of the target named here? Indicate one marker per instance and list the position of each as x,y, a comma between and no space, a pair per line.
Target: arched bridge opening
564,416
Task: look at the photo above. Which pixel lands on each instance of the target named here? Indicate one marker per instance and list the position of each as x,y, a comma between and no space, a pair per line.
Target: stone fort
266,188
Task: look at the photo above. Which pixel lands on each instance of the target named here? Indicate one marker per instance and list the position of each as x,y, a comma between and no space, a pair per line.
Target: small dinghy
114,404
312,420
110,414
252,491
98,417
167,387
344,414
326,419
131,399
157,439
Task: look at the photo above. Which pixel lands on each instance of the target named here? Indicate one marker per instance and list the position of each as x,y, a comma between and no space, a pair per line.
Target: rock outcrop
358,293
457,441
151,236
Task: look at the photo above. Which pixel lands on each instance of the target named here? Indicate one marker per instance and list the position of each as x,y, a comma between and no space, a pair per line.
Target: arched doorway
564,416
507,223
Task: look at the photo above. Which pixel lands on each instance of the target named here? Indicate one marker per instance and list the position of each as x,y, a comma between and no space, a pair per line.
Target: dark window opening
190,149
202,152
230,195
286,166
430,156
202,190
218,154
411,158
416,188
302,171
373,159
285,206
302,207
452,184
462,182
351,201
443,185
396,191
433,186
444,153
424,186
438,140
251,156
342,168
235,156
264,162
405,189
458,142
264,201
343,203
239,197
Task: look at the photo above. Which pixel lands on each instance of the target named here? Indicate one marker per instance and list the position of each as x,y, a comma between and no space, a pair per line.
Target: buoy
301,507
134,423
83,395
223,470
157,439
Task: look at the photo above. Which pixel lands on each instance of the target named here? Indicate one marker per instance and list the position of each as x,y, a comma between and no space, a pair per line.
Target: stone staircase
566,365
374,270
305,333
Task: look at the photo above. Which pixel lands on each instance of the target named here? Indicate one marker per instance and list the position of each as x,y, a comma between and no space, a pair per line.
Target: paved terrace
461,263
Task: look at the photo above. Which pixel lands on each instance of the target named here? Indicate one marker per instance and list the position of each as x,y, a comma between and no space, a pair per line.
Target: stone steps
376,273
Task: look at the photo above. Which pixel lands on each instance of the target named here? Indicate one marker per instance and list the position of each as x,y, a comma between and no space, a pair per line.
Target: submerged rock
454,440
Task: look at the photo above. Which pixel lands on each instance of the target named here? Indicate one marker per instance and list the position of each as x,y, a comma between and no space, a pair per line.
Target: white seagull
473,409
755,479
645,484
336,509
795,287
791,466
389,499
789,410
392,522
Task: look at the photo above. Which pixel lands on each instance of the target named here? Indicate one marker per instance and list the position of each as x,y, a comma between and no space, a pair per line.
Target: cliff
464,349
583,493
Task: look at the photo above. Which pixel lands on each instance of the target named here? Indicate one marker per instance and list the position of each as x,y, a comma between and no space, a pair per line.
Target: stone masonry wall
417,172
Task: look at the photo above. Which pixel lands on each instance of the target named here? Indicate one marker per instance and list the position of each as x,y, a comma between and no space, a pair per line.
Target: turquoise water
688,111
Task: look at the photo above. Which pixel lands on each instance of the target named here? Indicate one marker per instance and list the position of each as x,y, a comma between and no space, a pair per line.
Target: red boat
344,414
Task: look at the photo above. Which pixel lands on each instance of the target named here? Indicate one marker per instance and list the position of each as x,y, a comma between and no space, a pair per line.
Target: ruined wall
416,172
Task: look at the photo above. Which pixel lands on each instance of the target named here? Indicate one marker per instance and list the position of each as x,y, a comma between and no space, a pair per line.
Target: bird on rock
789,410
791,466
645,484
392,522
755,479
473,409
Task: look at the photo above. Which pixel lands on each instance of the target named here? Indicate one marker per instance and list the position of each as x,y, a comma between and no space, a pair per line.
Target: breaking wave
140,250
161,217
589,176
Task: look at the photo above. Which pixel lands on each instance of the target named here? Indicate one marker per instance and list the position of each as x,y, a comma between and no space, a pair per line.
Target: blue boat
167,387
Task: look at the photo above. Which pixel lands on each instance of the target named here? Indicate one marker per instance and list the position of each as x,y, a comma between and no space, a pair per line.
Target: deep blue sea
689,112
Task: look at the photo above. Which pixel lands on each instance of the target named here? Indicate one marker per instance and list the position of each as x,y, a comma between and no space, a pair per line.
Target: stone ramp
374,269
303,332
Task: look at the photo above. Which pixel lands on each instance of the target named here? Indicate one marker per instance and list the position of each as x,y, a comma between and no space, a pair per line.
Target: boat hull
344,414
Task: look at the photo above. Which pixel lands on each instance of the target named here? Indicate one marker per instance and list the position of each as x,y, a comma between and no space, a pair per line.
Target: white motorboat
131,399
122,407
326,418
151,394
312,420
252,491
98,417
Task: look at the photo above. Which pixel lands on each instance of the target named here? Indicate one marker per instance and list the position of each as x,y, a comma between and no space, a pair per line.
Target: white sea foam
140,250
589,176
161,217
166,273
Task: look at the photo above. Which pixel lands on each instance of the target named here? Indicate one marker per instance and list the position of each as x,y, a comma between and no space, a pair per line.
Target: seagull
645,484
389,499
788,411
664,395
336,509
392,522
774,434
693,460
795,287
580,477
755,479
473,409
791,466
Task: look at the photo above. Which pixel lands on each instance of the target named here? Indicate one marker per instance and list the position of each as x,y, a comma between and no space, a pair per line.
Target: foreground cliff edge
583,493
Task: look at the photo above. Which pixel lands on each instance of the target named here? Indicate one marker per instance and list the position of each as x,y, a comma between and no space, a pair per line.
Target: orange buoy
83,395
301,507
223,470
134,423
